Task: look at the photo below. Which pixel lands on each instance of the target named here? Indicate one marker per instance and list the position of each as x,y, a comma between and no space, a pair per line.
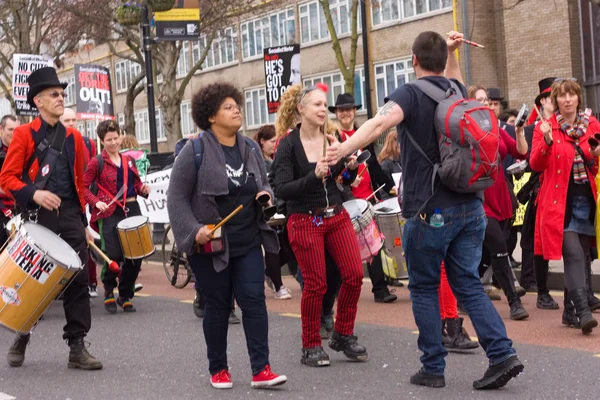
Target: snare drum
391,223
367,232
35,267
135,237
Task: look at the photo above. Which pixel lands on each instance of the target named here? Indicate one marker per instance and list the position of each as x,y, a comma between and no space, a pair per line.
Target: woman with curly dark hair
213,175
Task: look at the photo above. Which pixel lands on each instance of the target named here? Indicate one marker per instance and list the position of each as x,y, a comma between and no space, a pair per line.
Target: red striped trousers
309,238
448,306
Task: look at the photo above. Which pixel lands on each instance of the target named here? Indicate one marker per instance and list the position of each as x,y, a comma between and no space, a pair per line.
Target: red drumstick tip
114,267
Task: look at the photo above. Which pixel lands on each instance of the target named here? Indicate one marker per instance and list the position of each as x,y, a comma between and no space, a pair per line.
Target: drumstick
541,117
226,219
469,42
373,194
362,172
112,265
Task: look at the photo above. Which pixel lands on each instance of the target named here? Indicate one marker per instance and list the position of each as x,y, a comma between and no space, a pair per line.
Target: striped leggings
448,304
309,239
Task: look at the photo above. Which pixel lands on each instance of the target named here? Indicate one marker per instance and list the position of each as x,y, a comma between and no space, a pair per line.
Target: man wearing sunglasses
43,172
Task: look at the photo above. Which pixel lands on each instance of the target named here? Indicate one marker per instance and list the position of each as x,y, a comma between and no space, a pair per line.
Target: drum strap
50,153
124,163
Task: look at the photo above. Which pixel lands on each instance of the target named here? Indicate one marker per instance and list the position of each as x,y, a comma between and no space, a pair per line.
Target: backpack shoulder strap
198,150
100,165
435,93
252,144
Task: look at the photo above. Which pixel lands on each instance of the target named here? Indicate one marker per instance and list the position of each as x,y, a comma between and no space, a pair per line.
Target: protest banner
520,213
282,69
23,66
93,92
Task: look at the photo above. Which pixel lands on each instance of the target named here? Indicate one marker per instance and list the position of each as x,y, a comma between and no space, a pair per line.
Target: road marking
597,355
4,396
142,295
292,315
187,301
415,332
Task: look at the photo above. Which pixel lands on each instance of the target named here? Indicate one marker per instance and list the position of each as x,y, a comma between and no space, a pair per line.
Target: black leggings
495,244
575,250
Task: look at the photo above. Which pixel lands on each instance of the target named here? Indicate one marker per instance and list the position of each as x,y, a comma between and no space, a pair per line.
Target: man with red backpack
451,145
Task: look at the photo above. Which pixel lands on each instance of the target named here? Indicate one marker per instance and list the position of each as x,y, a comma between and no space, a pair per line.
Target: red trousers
448,305
92,270
309,237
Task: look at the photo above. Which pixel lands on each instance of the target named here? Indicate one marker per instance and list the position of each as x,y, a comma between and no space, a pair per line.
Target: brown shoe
80,358
16,353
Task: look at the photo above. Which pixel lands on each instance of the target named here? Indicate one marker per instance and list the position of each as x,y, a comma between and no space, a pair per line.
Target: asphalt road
159,353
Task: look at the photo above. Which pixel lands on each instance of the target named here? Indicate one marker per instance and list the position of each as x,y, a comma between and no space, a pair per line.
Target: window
90,128
384,11
187,123
80,126
256,109
121,120
5,107
337,86
223,49
125,72
390,76
183,63
142,126
70,91
276,29
313,26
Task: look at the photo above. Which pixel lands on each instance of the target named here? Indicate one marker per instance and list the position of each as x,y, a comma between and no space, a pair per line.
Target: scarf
575,132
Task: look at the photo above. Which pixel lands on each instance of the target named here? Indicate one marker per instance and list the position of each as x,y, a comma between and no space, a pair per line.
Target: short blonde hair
129,142
566,86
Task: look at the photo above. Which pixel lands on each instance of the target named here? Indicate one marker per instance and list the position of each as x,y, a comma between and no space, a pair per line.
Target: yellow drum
135,236
35,267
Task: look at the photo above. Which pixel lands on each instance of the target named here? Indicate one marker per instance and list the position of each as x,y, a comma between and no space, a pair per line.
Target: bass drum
390,221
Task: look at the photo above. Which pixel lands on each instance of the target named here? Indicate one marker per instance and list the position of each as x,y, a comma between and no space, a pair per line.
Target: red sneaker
267,378
221,380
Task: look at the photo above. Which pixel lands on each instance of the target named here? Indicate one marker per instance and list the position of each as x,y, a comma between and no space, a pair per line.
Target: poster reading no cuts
23,66
282,69
93,92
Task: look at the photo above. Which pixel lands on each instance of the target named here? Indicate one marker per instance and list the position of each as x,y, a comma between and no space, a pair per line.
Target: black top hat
344,100
41,79
494,94
545,89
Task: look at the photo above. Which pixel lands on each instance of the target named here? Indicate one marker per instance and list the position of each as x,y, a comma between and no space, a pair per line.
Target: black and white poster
23,66
282,69
93,92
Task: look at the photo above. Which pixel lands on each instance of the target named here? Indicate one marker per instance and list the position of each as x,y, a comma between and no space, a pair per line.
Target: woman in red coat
566,201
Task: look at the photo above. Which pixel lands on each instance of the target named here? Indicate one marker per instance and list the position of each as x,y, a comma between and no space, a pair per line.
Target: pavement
159,353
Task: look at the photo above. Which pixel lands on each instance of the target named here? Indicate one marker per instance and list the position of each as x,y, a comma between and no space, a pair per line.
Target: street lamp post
147,46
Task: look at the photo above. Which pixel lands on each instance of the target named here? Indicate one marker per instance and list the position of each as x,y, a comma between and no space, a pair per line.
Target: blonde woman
316,219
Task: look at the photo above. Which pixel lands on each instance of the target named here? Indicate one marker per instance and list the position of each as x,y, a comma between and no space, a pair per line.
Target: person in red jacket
567,197
62,194
68,119
118,171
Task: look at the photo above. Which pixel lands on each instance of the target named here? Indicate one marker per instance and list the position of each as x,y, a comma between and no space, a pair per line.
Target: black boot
593,301
517,311
315,357
385,296
456,337
498,375
349,345
16,353
503,276
80,358
422,378
568,316
546,302
578,298
198,305
326,325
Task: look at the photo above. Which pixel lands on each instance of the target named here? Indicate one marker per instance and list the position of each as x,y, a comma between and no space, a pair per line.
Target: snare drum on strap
391,223
136,237
35,267
367,232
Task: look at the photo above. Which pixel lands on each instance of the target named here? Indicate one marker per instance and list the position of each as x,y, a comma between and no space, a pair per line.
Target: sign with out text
93,93
23,66
282,69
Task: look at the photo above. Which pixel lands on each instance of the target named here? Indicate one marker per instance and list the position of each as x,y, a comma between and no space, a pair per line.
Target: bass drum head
355,207
389,206
132,222
49,242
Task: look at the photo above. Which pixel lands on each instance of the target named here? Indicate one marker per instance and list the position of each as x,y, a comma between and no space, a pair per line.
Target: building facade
522,47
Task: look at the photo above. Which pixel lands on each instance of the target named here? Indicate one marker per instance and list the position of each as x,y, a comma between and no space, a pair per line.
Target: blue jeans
458,243
244,278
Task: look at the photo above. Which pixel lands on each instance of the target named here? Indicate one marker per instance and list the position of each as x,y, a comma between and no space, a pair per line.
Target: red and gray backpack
468,137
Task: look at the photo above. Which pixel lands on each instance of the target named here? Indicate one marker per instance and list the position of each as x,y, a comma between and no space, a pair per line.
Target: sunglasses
56,95
565,79
306,91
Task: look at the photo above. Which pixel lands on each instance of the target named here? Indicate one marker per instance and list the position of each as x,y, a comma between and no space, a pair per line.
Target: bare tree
346,67
33,27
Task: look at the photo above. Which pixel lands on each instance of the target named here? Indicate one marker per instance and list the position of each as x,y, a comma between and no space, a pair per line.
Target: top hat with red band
545,89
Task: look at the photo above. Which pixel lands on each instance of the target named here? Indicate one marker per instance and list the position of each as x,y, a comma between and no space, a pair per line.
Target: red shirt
364,188
498,203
